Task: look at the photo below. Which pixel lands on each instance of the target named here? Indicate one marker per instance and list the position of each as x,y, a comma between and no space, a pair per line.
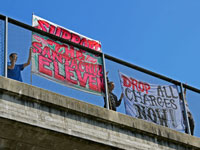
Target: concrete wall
32,118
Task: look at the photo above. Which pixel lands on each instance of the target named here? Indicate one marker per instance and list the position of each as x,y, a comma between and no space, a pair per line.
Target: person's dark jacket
113,102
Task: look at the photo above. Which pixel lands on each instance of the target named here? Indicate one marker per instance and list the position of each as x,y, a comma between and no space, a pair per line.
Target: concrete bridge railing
36,119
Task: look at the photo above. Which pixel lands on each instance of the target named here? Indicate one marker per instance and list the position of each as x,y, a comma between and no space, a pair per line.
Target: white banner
65,33
65,63
159,104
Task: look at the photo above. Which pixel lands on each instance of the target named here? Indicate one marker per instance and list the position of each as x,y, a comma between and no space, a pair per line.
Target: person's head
111,86
13,56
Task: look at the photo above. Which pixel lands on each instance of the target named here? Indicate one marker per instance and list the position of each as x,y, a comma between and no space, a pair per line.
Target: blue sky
158,35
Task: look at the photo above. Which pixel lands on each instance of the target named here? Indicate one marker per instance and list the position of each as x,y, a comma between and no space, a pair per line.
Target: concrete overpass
32,118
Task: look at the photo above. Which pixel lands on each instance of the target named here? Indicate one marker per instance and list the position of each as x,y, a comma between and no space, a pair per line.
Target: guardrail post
185,110
105,79
5,46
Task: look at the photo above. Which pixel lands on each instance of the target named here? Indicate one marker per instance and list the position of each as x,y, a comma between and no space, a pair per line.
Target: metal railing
101,54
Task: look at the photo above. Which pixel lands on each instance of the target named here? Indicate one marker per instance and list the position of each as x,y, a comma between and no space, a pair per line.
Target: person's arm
29,58
12,65
120,100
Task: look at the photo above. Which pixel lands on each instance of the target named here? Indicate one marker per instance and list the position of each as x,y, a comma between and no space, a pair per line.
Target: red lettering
43,61
82,80
141,86
100,70
91,59
52,29
57,46
43,25
75,38
97,47
69,50
37,47
56,56
79,55
95,69
67,60
46,51
126,81
81,66
70,74
56,71
92,69
74,64
147,87
94,45
89,68
66,34
58,31
93,83
134,84
84,42
100,84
